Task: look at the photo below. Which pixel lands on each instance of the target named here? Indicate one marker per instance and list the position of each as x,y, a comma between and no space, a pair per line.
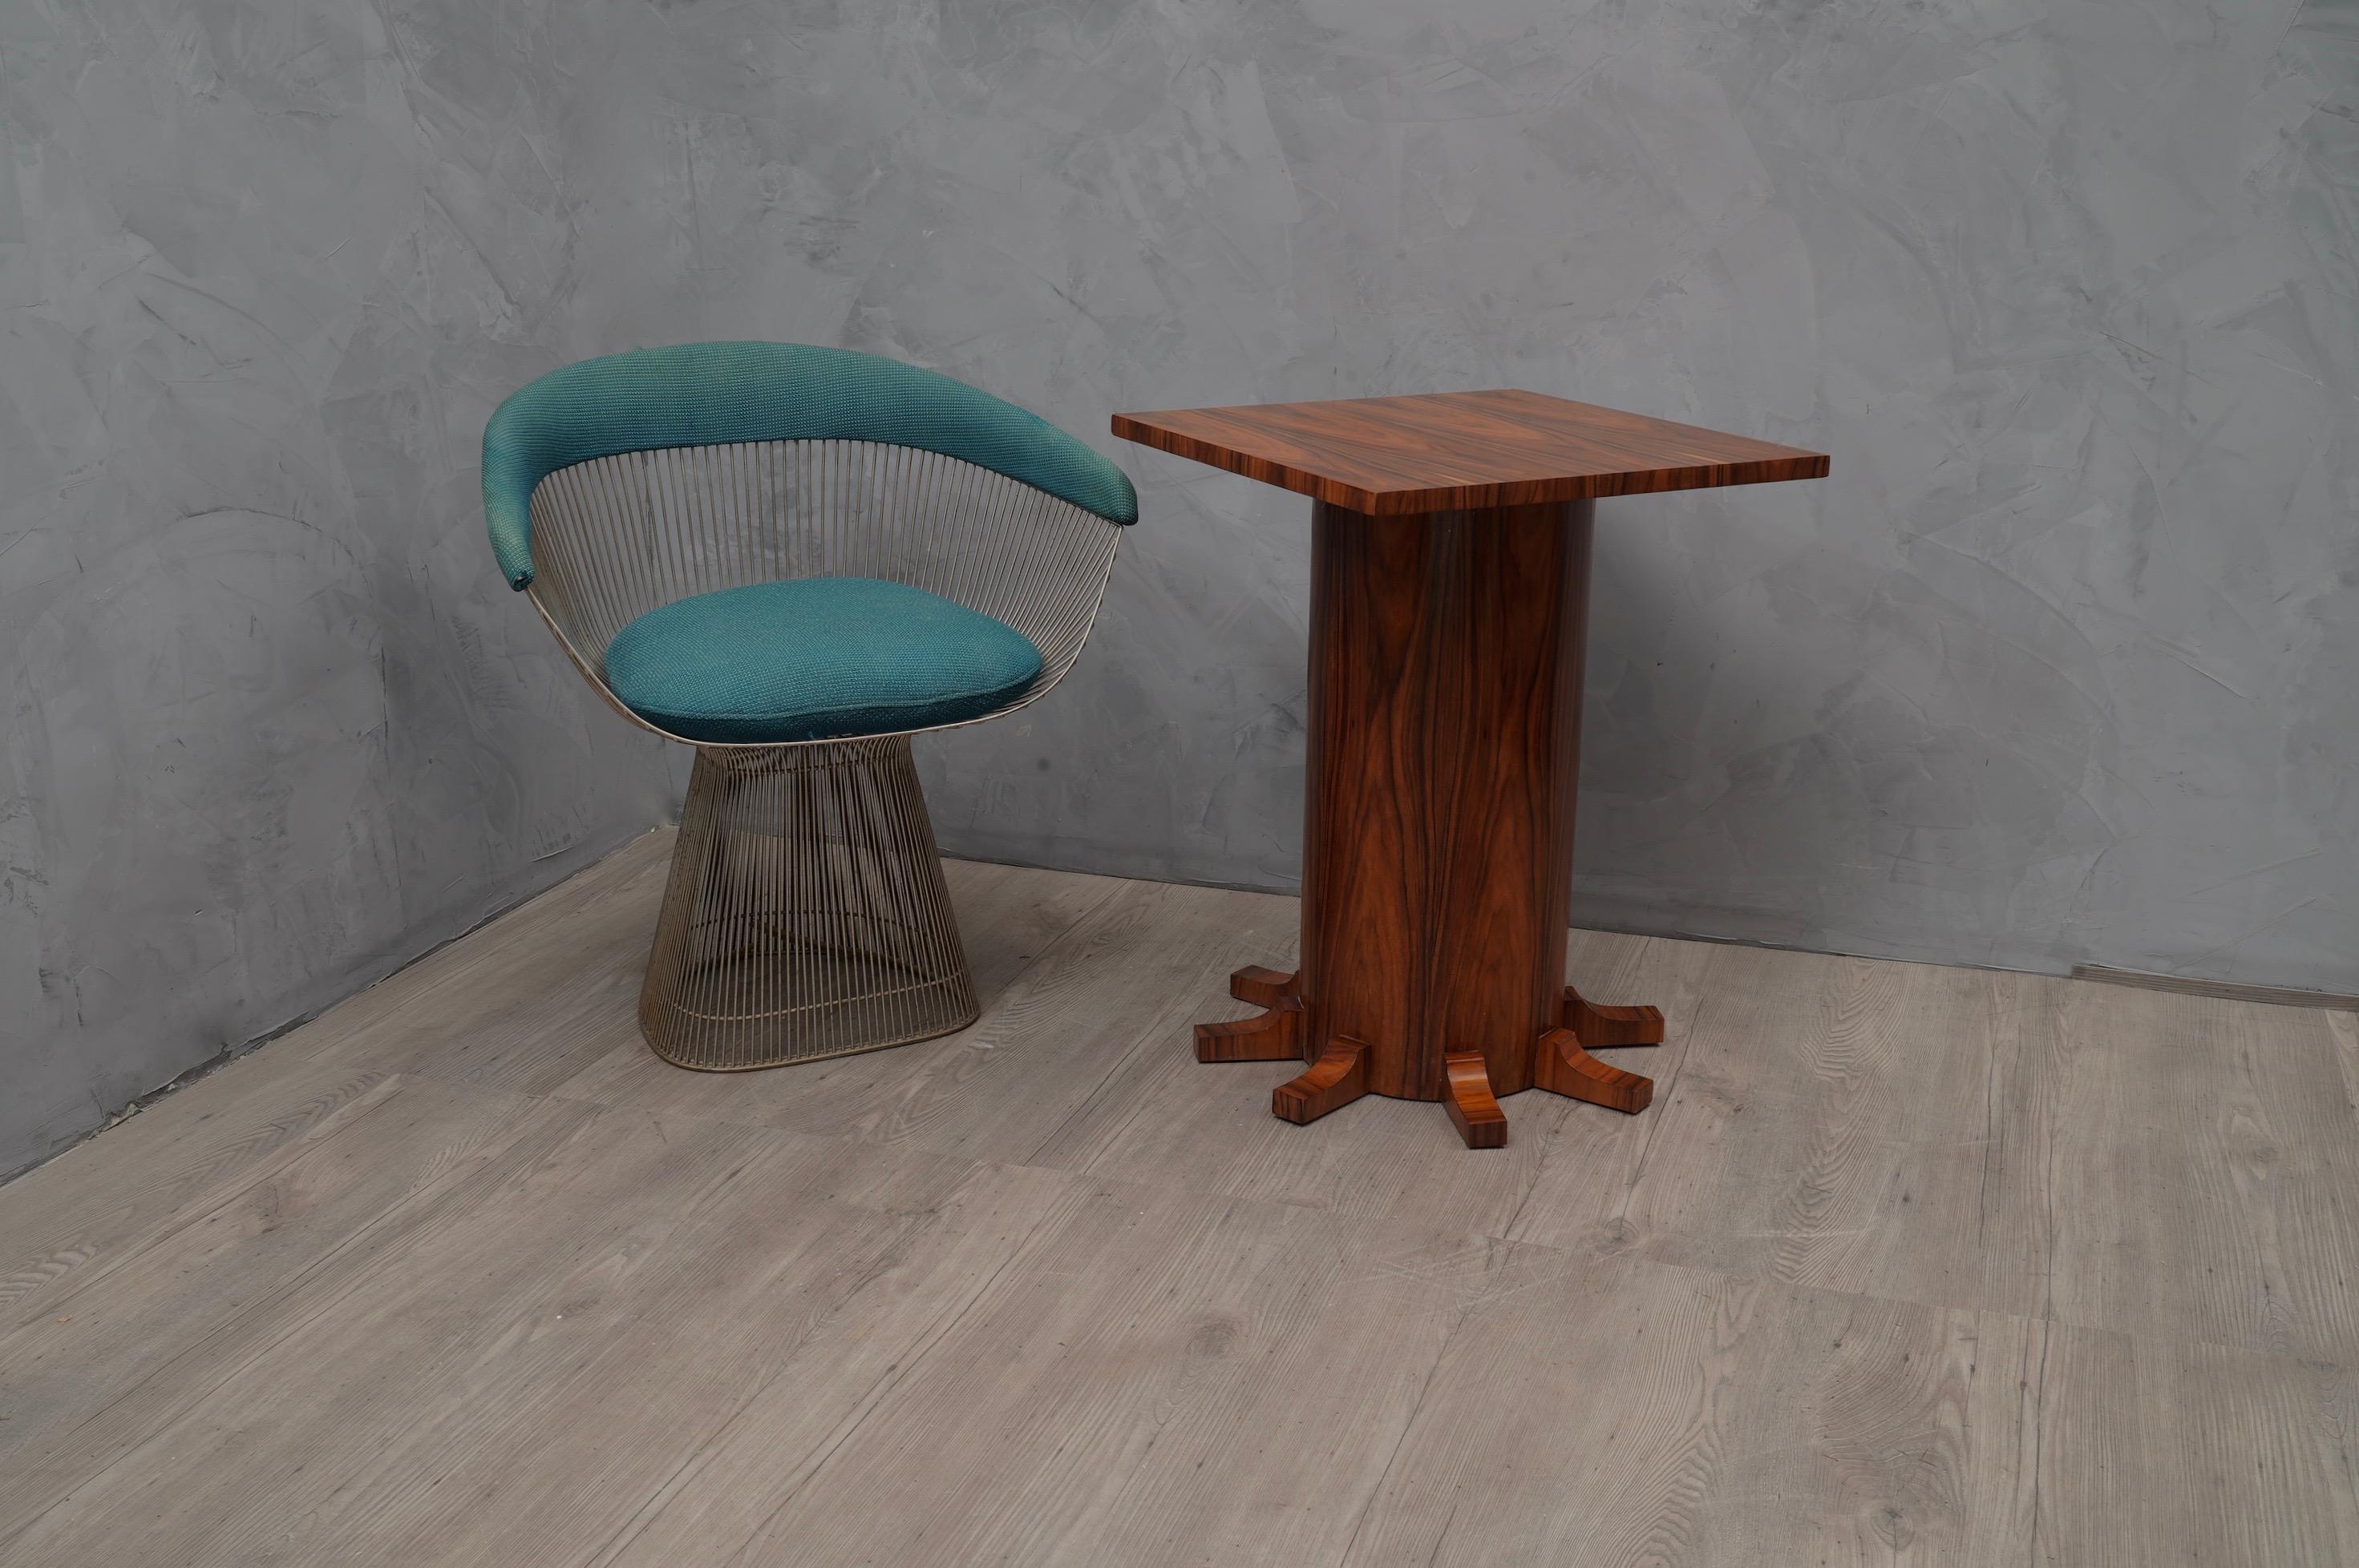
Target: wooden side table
1448,606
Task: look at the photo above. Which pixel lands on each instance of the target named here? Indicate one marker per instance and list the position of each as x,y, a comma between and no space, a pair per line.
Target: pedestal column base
1444,719
1558,1062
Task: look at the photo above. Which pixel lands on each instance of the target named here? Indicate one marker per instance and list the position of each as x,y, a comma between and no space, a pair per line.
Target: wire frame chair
806,913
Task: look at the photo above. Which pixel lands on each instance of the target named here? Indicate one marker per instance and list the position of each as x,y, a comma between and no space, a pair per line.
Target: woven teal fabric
816,659
702,394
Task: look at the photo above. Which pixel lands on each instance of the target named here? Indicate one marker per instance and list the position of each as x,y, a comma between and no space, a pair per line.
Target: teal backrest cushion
703,394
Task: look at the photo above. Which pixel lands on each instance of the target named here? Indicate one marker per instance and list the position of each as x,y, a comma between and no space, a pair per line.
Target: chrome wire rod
617,536
807,915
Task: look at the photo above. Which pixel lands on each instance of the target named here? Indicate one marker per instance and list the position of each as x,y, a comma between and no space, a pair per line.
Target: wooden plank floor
1906,1265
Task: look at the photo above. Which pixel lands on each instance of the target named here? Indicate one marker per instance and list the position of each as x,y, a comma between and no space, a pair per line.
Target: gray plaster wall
272,723
2058,667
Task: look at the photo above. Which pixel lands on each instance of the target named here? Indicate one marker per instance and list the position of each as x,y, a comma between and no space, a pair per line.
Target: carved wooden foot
1262,986
1563,1066
1274,1036
1330,1083
1473,1110
1602,1026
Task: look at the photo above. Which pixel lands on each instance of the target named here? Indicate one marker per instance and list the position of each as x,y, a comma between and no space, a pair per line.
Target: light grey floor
1906,1265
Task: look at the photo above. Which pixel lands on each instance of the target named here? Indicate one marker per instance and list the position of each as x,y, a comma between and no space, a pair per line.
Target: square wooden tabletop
1459,451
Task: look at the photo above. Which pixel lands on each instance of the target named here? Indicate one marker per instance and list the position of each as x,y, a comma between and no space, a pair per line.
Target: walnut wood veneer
1449,609
1439,450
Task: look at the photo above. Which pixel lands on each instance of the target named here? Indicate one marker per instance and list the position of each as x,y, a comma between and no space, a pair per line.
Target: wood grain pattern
96,1372
1906,1264
1338,1077
1473,1110
1563,1066
1814,1427
1460,451
1625,1413
1810,1100
1159,1378
81,1211
1448,606
1446,656
1445,735
1261,985
1275,1034
1600,1026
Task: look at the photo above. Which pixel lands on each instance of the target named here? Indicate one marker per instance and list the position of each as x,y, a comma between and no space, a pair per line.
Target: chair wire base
806,915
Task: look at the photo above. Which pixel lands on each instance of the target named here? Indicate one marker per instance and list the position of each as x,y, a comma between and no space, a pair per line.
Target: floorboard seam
651,1508
1645,1143
2044,1325
1159,1028
220,1190
900,1372
295,1281
1409,1421
1671,1087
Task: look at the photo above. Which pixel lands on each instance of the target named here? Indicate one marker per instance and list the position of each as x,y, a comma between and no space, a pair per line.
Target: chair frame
806,914
583,512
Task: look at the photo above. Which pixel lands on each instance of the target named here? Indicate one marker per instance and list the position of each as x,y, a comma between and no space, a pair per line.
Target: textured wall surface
2058,666
274,724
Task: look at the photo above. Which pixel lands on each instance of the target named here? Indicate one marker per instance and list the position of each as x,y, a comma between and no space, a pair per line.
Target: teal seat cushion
815,659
